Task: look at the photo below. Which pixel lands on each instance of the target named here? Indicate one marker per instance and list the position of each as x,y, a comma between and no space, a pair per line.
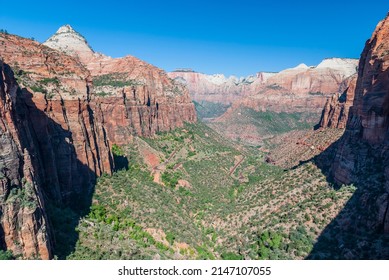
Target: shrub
6,255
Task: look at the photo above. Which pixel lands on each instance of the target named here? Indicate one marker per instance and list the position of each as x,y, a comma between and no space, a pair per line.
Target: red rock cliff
134,96
23,222
57,128
365,144
336,110
56,90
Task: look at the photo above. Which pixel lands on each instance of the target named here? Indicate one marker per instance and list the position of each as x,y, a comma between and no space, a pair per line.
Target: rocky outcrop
217,88
301,88
325,79
301,91
23,222
315,84
363,154
71,137
61,111
134,96
336,110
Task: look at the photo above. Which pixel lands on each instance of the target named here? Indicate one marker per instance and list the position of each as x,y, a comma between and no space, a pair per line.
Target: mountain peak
67,28
68,40
301,66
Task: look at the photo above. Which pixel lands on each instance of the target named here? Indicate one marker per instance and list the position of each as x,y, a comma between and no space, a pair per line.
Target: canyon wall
218,88
363,154
62,110
134,96
337,108
23,222
299,86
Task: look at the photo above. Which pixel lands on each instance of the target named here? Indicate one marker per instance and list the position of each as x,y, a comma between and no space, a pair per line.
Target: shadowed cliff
361,158
45,185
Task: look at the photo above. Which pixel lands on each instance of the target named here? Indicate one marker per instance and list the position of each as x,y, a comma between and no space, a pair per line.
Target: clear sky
231,37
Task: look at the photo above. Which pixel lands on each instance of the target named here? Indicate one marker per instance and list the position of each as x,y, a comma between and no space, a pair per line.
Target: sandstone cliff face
68,145
299,91
218,88
56,90
301,88
135,97
336,110
326,78
23,223
365,143
267,89
57,128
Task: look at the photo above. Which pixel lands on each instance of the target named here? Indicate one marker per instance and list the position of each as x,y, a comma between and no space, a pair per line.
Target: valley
107,158
215,200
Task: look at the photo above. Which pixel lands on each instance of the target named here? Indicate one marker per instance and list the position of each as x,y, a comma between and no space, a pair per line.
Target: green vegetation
275,87
119,157
102,93
47,81
278,123
231,199
253,127
6,255
25,196
117,150
114,80
38,88
210,110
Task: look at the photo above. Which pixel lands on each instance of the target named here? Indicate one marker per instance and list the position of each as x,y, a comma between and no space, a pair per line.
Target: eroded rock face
326,78
134,96
336,111
290,88
365,144
218,88
23,222
56,91
67,143
57,128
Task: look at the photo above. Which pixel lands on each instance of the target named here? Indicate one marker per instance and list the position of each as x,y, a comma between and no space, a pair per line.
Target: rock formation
23,222
56,90
363,154
61,112
217,88
136,97
300,91
337,108
313,83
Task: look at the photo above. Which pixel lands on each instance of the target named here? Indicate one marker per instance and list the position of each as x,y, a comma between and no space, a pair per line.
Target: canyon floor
192,194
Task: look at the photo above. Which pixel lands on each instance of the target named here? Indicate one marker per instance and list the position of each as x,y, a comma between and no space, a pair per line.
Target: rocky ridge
337,108
23,224
365,144
218,88
63,109
137,97
318,82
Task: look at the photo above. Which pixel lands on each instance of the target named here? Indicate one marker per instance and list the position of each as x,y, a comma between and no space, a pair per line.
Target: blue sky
230,37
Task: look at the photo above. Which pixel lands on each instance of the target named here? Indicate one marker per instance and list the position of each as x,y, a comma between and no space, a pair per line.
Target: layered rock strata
365,145
61,112
337,108
23,222
136,97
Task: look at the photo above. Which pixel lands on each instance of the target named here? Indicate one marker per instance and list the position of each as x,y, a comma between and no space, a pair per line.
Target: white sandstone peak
347,65
67,40
301,66
65,29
